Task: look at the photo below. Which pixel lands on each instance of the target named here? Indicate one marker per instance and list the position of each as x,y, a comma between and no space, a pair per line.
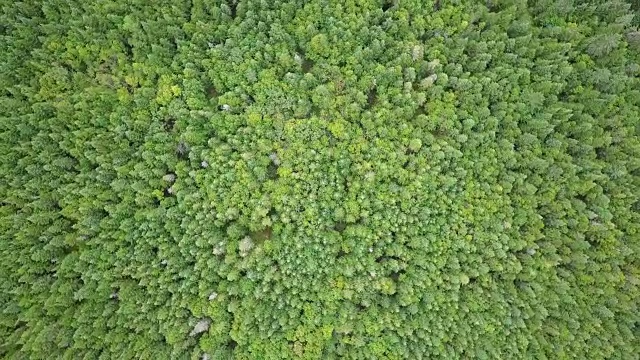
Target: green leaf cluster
355,179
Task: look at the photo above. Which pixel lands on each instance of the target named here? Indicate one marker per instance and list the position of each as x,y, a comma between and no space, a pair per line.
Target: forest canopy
350,179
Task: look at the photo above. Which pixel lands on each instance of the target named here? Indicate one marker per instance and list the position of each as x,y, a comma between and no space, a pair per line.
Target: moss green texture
353,179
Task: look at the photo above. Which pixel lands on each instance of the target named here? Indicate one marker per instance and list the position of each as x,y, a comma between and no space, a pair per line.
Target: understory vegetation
352,179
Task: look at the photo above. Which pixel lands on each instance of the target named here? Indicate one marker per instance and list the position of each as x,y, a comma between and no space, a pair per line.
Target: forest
321,179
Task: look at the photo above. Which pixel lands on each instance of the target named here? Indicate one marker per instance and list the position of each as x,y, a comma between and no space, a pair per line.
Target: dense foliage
355,179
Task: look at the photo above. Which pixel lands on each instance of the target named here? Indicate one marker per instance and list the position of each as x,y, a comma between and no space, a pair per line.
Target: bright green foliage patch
350,179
